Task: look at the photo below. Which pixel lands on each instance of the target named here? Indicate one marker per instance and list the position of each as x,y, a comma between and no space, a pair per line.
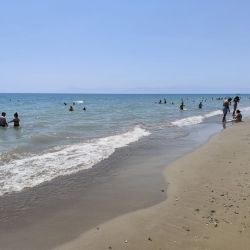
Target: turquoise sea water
53,141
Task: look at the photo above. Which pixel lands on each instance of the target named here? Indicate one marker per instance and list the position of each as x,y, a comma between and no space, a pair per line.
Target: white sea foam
246,109
192,120
79,101
28,172
188,121
213,113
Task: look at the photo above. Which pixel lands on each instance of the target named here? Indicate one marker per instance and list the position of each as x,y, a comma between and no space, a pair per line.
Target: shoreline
59,211
207,205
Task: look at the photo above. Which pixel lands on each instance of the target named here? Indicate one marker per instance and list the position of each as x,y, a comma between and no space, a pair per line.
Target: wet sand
59,211
208,204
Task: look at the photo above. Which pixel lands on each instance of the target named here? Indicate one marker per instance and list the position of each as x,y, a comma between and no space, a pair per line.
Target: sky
125,46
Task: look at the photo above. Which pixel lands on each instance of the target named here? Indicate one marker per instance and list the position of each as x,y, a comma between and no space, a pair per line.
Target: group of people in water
4,123
71,107
237,116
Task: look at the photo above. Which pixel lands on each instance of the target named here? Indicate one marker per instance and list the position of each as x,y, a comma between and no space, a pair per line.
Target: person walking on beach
3,122
235,100
16,120
226,108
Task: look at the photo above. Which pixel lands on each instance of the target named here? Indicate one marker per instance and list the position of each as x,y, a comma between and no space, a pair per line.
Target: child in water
238,116
16,120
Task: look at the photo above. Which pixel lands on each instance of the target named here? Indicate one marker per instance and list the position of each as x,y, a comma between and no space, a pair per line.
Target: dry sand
208,204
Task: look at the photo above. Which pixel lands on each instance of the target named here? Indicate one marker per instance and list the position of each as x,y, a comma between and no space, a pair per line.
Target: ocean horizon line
107,93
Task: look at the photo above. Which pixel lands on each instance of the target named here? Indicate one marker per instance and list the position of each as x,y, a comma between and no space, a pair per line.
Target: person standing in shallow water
182,105
235,100
16,120
226,108
3,122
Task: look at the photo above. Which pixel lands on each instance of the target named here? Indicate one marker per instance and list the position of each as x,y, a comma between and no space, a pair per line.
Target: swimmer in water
3,122
182,105
16,120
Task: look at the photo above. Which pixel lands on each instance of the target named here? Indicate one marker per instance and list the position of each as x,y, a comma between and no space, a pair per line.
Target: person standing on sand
226,108
16,120
3,122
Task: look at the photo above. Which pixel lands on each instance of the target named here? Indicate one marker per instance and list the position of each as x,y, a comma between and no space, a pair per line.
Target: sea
53,141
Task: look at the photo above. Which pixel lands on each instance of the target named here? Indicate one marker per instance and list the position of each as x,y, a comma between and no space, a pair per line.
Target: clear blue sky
125,46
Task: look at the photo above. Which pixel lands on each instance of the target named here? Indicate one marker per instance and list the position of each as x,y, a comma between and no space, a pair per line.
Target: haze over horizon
125,47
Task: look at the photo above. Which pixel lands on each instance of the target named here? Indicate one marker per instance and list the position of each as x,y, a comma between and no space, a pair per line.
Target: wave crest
30,171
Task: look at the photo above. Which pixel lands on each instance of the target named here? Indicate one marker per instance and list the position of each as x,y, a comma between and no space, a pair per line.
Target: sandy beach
207,205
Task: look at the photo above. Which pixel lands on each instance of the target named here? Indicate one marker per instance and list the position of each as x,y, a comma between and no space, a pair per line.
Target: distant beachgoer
65,103
200,105
3,122
160,102
182,105
226,108
165,101
16,120
84,109
74,103
71,108
238,116
235,100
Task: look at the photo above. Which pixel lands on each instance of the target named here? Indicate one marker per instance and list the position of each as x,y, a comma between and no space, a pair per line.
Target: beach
207,205
119,174
121,125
